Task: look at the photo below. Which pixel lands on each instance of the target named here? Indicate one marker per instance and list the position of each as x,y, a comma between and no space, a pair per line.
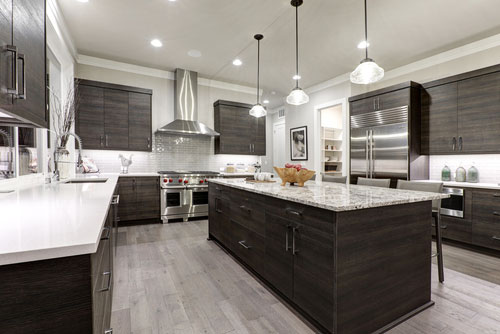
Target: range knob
206,180
180,180
201,181
170,180
165,180
185,181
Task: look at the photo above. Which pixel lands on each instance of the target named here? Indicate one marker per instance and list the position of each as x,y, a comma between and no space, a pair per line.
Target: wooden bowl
291,175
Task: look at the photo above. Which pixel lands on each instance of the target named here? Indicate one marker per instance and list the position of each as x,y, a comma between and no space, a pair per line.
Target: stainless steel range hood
186,107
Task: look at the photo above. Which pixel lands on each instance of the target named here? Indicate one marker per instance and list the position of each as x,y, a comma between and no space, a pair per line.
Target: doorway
279,144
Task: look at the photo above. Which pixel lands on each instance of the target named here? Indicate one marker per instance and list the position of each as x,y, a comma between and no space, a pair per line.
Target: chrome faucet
79,159
9,172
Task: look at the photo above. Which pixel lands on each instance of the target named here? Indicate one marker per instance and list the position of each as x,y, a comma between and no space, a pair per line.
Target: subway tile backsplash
487,164
170,152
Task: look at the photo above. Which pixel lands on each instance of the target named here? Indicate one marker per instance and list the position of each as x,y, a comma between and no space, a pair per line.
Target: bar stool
335,179
383,183
435,187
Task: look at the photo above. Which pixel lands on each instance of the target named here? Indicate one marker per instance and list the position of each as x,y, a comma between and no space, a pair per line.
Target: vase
473,174
461,174
63,163
446,173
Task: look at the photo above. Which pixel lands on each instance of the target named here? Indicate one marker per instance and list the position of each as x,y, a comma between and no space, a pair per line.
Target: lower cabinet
139,198
290,246
63,295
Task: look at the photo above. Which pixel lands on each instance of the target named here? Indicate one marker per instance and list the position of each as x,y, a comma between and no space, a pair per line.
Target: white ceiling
400,32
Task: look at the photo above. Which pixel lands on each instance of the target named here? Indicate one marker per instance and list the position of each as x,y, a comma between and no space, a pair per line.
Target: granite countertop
333,196
54,220
492,186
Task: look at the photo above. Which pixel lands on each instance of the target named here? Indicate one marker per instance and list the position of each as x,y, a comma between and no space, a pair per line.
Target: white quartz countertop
54,220
333,196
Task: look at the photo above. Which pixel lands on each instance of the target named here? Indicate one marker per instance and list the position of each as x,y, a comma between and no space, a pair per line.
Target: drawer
248,246
486,235
486,207
319,219
247,210
454,229
218,217
219,190
97,257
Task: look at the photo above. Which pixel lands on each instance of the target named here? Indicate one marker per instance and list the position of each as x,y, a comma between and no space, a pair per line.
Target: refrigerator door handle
371,154
367,149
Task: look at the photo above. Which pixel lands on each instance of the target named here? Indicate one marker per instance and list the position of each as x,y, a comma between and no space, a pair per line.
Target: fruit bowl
292,175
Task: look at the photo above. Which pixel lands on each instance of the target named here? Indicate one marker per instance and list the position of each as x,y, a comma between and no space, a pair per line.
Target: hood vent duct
186,107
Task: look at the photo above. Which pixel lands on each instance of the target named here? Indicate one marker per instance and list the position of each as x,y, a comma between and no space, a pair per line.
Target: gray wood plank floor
170,279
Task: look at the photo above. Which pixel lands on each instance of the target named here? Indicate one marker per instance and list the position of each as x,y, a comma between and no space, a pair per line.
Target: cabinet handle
374,104
460,143
443,227
496,195
108,232
454,144
116,200
495,238
100,140
106,140
242,243
217,209
378,103
108,331
108,286
22,96
287,246
496,213
293,212
13,49
149,142
242,207
294,250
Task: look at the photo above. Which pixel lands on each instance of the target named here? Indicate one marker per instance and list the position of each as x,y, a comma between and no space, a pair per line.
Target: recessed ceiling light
265,101
83,1
273,93
156,43
237,62
363,45
172,0
194,53
296,77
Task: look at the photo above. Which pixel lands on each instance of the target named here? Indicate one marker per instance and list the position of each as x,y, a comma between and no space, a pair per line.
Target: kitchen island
351,259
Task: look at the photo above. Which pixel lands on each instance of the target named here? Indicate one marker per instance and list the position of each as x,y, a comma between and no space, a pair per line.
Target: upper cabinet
114,117
383,99
461,114
22,60
240,133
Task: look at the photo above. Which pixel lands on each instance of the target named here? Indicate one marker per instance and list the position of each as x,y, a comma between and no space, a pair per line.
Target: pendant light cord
297,45
366,33
258,70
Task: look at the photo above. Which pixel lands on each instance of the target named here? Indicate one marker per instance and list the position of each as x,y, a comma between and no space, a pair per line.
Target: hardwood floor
170,279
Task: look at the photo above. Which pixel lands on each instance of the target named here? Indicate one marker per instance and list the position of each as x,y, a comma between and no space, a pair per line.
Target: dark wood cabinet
22,26
26,137
240,133
486,218
440,119
139,198
114,117
461,114
387,98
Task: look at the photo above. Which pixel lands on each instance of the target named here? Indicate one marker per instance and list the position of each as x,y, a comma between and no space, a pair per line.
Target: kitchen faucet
9,172
79,159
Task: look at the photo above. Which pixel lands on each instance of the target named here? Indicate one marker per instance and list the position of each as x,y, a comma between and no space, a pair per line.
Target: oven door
175,201
454,205
199,200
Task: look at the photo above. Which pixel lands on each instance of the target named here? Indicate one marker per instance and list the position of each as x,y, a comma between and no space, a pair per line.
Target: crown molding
153,72
56,20
440,58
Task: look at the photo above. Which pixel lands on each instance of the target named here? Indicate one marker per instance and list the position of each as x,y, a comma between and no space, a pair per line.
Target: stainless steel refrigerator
380,144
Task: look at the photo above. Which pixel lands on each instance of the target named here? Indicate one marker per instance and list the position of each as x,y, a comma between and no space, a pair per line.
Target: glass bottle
461,174
446,173
473,174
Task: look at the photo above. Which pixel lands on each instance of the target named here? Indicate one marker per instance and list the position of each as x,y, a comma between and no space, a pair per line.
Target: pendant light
258,110
297,96
367,71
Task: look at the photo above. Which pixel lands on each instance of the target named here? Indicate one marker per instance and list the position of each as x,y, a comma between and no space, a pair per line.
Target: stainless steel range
184,194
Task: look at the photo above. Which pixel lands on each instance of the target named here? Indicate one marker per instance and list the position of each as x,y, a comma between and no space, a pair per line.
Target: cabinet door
279,258
139,116
29,38
148,198
259,135
479,114
6,58
313,274
439,119
234,130
128,198
394,99
361,106
115,119
90,116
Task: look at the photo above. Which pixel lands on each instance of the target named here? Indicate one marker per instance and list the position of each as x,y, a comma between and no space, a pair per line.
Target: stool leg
439,247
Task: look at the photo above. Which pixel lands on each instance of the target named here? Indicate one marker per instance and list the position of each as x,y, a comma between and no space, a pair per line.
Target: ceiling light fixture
367,71
237,62
83,1
156,43
258,110
297,95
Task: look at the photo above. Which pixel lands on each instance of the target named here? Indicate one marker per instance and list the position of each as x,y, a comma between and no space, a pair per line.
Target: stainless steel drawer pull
495,238
108,331
496,213
242,207
14,81
116,200
443,227
108,232
108,286
496,195
22,96
293,212
287,246
242,243
294,249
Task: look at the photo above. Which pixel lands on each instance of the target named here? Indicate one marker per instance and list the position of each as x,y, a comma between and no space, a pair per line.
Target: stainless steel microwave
453,206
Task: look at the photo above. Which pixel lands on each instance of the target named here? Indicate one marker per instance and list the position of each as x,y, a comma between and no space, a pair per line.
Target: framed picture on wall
298,144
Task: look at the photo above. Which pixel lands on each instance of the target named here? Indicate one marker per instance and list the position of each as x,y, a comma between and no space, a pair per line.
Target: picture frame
299,144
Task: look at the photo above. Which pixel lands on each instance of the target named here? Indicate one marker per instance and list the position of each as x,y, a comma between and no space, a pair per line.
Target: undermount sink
86,181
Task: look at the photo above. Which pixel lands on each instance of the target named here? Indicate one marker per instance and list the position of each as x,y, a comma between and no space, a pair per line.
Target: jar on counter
461,174
446,173
473,174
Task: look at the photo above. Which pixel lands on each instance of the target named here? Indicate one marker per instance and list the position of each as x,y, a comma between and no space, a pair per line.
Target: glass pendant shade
258,111
367,72
297,97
